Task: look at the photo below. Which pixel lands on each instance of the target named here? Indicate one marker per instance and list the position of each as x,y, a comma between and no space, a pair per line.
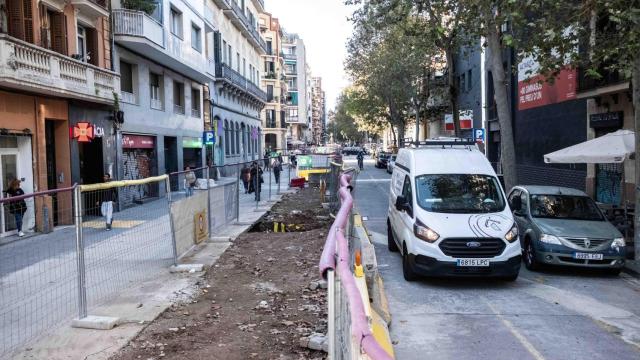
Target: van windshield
459,193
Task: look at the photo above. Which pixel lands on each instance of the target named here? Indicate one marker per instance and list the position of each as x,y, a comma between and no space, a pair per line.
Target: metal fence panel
38,274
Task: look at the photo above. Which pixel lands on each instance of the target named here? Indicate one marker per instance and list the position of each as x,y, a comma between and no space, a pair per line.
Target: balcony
92,8
195,113
237,81
31,68
239,19
141,33
178,109
610,81
129,98
156,104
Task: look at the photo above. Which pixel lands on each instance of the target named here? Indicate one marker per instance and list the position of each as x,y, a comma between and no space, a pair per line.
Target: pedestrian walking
245,175
294,160
256,180
190,180
277,169
360,158
266,159
108,196
19,207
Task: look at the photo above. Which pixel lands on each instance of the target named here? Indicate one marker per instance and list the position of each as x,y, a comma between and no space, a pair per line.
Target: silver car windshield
459,193
565,207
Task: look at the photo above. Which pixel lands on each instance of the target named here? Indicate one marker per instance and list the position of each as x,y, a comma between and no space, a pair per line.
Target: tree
148,6
342,125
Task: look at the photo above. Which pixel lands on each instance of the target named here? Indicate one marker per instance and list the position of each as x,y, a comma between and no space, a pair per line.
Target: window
176,22
269,93
462,84
226,137
230,54
127,83
269,47
469,83
459,193
237,138
244,67
195,102
196,42
82,43
407,192
238,62
178,97
224,51
155,91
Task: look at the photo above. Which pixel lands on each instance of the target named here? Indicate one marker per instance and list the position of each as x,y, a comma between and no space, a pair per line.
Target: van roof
448,160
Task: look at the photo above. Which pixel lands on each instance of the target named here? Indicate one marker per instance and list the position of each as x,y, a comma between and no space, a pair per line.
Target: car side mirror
516,204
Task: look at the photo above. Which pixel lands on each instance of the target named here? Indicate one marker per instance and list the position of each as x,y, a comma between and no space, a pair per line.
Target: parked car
352,150
448,214
391,163
563,226
382,159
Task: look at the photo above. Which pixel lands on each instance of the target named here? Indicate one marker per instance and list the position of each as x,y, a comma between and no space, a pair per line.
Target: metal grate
459,247
587,243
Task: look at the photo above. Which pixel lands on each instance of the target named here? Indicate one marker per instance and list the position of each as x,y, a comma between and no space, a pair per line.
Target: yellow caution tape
122,183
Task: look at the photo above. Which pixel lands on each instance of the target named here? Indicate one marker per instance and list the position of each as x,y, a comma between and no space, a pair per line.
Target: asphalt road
555,314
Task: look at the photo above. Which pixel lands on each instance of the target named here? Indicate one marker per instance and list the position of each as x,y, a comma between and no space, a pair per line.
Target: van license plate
587,256
473,262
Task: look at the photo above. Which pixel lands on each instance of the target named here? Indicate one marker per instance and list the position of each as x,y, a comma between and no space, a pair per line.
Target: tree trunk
417,138
453,91
500,85
636,117
393,133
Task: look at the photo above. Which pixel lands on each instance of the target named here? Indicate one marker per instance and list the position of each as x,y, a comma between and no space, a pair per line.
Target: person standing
277,168
256,180
245,175
106,206
266,159
360,158
19,207
189,181
294,160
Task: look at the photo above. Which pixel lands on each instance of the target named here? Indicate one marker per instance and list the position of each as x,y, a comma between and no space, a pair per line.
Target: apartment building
273,81
55,76
235,50
297,104
317,111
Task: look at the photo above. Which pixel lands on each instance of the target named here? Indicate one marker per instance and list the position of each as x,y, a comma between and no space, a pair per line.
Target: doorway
171,159
91,170
50,150
8,171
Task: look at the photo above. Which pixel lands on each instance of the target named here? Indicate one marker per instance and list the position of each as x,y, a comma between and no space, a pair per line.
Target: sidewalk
47,264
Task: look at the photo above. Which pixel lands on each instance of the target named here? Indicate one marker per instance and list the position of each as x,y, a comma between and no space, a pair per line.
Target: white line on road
527,345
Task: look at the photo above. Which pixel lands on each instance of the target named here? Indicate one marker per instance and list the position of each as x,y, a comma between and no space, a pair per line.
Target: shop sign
478,135
137,142
305,161
466,119
448,122
534,90
201,227
83,132
191,143
98,130
606,120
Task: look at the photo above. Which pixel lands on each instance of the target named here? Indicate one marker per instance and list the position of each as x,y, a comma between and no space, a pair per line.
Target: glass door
8,172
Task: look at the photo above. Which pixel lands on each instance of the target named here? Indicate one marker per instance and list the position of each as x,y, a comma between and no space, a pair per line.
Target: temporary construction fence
349,332
87,243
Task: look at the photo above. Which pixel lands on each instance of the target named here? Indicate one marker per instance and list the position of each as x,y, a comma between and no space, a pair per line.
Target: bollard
82,288
174,246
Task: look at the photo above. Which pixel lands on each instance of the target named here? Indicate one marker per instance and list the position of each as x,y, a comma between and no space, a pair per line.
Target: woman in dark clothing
256,180
245,174
17,208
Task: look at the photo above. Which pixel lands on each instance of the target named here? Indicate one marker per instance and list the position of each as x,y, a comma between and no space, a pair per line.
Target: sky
324,28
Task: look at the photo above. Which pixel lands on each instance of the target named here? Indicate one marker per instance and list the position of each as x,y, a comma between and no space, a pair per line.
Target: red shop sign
138,142
83,132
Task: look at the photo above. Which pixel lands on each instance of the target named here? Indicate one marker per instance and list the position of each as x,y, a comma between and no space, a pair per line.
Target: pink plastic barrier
359,322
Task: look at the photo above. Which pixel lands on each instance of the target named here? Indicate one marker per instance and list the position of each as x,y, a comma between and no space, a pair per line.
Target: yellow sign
201,227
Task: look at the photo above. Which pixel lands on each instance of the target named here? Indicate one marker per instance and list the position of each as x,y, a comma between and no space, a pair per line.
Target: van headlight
512,234
423,232
618,243
550,239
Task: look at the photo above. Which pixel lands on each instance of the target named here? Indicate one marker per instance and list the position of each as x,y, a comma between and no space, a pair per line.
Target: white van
448,213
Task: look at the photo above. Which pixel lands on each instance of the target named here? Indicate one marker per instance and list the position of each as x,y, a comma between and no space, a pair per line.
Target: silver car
563,226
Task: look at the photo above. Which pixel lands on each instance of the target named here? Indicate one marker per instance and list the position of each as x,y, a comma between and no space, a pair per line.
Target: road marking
527,345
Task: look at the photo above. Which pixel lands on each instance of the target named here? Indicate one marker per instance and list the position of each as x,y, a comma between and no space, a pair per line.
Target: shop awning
614,147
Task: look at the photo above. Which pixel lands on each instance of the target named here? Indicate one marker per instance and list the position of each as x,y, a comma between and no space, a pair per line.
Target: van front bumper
429,266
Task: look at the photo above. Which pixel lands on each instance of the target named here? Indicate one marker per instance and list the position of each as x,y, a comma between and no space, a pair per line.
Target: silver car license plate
587,256
473,262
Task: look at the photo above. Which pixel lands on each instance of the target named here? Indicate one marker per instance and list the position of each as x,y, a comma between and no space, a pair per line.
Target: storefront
15,163
139,161
192,152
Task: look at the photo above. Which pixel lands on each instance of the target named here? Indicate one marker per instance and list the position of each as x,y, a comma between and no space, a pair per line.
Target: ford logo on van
473,244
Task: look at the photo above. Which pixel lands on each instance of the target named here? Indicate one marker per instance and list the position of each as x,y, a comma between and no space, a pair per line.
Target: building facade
55,65
161,57
297,105
273,82
235,50
317,110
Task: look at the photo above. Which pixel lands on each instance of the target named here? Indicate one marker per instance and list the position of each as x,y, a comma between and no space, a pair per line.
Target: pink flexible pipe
359,323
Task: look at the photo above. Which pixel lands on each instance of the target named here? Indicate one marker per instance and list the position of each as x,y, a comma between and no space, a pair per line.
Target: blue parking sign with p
209,137
478,135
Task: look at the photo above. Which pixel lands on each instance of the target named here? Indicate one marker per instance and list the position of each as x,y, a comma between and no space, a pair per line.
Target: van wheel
407,270
391,242
530,261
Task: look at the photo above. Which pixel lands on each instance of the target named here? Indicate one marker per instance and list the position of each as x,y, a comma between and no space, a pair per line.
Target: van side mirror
402,204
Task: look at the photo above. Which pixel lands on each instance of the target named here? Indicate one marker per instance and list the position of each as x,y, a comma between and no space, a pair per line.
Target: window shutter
92,46
28,20
59,33
16,18
217,40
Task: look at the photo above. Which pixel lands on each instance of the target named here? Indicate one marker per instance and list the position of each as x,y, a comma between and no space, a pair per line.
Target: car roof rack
443,142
